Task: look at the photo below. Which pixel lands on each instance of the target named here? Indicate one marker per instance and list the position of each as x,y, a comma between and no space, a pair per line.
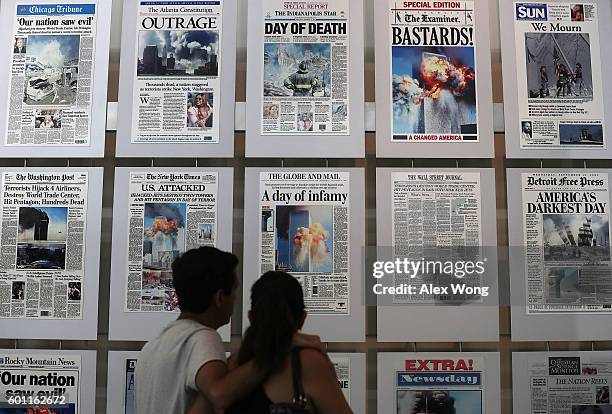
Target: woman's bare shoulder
315,362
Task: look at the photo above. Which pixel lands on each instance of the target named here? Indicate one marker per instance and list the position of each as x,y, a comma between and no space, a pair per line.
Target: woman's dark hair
277,307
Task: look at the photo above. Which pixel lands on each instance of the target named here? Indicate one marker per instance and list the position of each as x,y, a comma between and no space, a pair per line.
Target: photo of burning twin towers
434,92
163,241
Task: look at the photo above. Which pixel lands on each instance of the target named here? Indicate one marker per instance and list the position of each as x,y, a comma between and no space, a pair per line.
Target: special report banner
178,82
435,57
167,211
50,381
437,382
561,382
559,237
49,255
301,93
55,78
309,222
559,55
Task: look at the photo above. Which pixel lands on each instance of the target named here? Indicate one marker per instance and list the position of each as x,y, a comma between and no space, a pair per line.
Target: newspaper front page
51,75
34,380
42,244
169,213
560,97
569,384
567,242
342,366
177,87
450,384
130,367
433,71
304,230
305,68
436,216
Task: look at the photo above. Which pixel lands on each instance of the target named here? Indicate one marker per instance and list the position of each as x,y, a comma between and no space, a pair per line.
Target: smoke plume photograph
41,237
178,53
434,90
439,402
580,237
304,238
164,234
52,69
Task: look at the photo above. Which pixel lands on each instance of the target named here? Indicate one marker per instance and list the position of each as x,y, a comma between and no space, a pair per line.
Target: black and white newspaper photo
169,213
436,217
305,68
304,230
43,245
433,71
567,242
51,75
439,384
564,384
559,72
45,382
176,80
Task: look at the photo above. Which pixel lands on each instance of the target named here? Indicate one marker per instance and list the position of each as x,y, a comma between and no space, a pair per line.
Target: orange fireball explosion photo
434,91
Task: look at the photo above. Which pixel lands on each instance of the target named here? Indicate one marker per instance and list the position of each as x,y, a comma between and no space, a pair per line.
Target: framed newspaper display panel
305,87
61,381
561,382
55,64
350,369
433,79
439,383
351,372
439,225
559,236
555,55
50,240
309,222
120,382
177,79
167,211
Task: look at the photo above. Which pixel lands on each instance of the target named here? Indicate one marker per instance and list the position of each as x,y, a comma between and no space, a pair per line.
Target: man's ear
219,298
249,316
302,319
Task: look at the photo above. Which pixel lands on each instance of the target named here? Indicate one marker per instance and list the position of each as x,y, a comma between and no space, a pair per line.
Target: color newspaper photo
439,402
304,238
178,53
576,237
434,90
297,69
41,238
559,65
163,241
52,69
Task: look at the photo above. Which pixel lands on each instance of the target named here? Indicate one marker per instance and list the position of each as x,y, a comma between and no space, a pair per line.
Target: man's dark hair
199,274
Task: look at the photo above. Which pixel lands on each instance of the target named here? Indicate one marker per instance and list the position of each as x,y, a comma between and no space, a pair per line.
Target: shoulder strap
296,369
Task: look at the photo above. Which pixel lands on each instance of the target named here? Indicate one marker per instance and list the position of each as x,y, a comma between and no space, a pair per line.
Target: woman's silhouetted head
277,313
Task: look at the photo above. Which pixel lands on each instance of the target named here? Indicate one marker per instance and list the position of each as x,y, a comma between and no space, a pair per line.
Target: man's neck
202,318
